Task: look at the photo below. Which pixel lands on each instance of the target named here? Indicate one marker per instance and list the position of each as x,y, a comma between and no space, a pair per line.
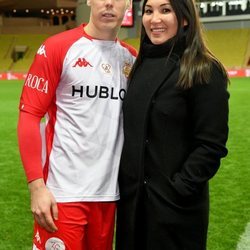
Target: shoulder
68,36
215,88
218,79
63,40
54,48
216,76
128,47
217,70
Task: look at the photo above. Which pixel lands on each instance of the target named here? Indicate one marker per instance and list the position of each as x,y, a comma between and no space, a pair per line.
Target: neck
104,34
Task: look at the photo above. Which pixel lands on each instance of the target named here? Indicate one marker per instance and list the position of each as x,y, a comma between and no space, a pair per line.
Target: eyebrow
147,5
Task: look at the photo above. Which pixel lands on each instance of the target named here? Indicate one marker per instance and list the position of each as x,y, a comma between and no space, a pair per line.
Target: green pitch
229,189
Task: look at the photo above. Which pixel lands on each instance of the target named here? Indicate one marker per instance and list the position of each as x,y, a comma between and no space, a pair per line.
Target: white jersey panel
88,135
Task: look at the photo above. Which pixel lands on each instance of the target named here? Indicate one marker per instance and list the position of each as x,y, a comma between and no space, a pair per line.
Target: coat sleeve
208,111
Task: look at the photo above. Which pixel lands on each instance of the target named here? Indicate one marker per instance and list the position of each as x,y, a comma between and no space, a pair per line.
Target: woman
176,128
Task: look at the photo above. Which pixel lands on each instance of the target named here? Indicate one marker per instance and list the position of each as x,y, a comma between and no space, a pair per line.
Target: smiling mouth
158,30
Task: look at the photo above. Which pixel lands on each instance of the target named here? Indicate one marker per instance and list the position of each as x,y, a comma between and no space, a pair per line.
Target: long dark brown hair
197,59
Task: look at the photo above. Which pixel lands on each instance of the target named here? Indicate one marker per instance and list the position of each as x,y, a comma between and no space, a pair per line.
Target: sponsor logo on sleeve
37,83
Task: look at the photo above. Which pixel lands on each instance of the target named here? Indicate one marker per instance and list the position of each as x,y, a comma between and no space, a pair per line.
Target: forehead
103,1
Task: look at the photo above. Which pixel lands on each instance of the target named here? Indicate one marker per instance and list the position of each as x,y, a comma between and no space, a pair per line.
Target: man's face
107,15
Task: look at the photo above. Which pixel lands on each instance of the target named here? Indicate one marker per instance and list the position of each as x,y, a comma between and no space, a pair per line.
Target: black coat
174,140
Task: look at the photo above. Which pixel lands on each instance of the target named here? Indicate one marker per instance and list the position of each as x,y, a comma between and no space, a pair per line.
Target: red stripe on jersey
49,132
131,49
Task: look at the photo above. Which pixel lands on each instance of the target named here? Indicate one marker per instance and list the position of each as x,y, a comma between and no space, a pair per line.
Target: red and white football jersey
78,83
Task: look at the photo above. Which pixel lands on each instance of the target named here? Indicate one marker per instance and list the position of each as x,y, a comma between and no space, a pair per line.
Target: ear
88,2
185,23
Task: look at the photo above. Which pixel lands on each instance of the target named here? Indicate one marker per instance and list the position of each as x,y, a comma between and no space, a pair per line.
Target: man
77,81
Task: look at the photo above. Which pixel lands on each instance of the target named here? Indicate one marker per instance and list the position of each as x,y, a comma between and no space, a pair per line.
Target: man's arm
43,204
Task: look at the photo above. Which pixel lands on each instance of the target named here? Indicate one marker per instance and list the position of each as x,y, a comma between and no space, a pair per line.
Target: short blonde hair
128,3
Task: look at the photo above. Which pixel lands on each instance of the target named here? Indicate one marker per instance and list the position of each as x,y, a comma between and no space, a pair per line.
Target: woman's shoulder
217,80
218,73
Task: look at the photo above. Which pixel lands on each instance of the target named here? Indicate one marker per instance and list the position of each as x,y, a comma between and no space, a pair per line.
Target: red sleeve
30,145
42,79
39,90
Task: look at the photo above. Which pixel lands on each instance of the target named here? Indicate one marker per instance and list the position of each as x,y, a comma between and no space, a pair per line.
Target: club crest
126,69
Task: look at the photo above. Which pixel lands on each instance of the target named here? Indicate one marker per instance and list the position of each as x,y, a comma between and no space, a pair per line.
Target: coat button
147,141
145,182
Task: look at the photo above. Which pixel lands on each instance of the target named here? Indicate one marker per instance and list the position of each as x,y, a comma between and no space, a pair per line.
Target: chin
158,41
110,25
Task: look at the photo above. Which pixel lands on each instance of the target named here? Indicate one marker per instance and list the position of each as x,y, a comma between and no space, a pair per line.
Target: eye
148,11
166,10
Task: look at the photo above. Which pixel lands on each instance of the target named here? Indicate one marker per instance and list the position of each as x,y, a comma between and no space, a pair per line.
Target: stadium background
23,27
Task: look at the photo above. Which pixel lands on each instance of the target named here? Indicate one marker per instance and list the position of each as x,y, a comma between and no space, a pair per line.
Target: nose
156,18
108,3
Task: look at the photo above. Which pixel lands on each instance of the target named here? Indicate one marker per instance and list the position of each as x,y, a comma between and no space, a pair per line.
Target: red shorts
81,226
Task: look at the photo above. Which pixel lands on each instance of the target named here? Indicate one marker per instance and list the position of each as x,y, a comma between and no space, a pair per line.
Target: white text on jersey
98,92
38,83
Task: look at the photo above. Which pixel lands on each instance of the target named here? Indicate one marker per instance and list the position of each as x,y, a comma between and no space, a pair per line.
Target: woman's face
159,21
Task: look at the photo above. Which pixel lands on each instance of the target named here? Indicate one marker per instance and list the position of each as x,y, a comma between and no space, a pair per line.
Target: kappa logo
34,247
82,62
37,237
41,51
